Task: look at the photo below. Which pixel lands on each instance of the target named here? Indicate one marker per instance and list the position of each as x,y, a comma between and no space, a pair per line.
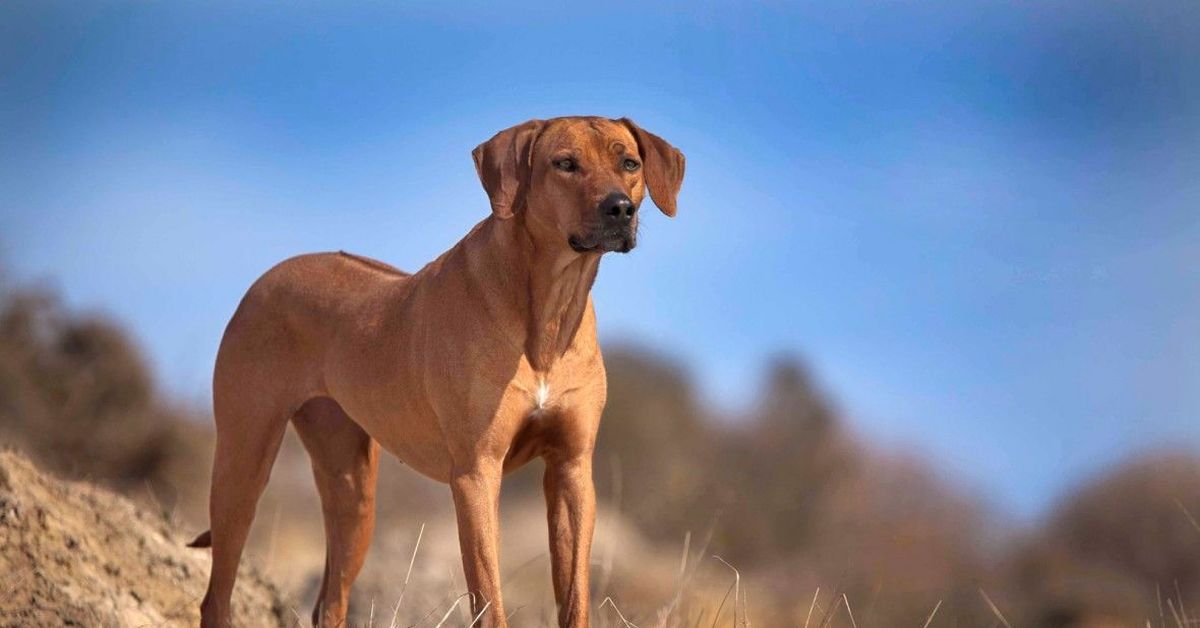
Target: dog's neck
546,287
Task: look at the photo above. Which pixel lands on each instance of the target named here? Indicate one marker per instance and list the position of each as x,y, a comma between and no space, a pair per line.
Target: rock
89,557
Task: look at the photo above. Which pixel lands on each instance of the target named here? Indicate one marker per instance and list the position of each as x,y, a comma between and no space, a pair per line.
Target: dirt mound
73,554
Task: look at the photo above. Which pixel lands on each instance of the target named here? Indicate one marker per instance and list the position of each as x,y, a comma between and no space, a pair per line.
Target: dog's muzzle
616,231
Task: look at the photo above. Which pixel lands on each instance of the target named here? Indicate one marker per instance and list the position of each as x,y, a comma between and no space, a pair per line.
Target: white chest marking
542,396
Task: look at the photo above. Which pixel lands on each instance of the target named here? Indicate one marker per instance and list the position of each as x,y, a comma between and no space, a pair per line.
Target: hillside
74,554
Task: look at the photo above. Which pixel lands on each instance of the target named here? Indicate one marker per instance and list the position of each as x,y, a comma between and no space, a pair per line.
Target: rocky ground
72,554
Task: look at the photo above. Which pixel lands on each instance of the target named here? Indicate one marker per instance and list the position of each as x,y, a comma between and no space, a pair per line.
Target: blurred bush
76,394
788,491
1122,549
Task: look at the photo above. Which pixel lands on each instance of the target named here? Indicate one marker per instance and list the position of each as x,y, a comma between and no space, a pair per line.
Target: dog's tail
204,540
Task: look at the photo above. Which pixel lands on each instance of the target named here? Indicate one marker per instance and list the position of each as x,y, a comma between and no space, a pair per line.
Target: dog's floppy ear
663,166
503,166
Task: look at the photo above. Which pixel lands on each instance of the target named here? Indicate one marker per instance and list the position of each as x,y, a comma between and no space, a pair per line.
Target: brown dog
483,360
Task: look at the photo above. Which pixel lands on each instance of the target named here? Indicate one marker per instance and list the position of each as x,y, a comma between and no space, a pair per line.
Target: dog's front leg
571,510
477,506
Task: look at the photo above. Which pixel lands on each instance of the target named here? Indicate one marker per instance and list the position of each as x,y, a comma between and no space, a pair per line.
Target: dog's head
579,181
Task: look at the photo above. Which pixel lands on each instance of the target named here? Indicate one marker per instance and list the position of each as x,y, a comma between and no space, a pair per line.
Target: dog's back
307,292
372,264
289,316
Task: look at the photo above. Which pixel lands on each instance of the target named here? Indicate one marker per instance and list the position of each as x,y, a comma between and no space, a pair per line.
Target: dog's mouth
621,241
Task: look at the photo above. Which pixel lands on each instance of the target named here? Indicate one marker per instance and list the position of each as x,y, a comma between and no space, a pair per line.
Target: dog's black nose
617,208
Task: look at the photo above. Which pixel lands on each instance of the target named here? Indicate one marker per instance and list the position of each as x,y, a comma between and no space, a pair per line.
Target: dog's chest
539,395
544,395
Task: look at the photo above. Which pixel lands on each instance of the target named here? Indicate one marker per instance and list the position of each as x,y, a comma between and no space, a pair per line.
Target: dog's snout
617,208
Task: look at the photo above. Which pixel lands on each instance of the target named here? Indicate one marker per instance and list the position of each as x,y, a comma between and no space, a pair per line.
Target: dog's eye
630,165
566,165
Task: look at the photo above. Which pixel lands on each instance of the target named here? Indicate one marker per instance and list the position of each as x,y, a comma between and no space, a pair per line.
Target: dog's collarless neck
547,288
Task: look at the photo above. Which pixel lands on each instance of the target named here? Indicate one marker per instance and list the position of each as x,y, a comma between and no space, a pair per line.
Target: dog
466,370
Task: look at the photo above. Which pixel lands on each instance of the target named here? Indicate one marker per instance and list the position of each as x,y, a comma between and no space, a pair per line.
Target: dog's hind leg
250,427
345,463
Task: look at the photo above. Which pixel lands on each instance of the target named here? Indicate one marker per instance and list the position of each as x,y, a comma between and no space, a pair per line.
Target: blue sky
980,222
